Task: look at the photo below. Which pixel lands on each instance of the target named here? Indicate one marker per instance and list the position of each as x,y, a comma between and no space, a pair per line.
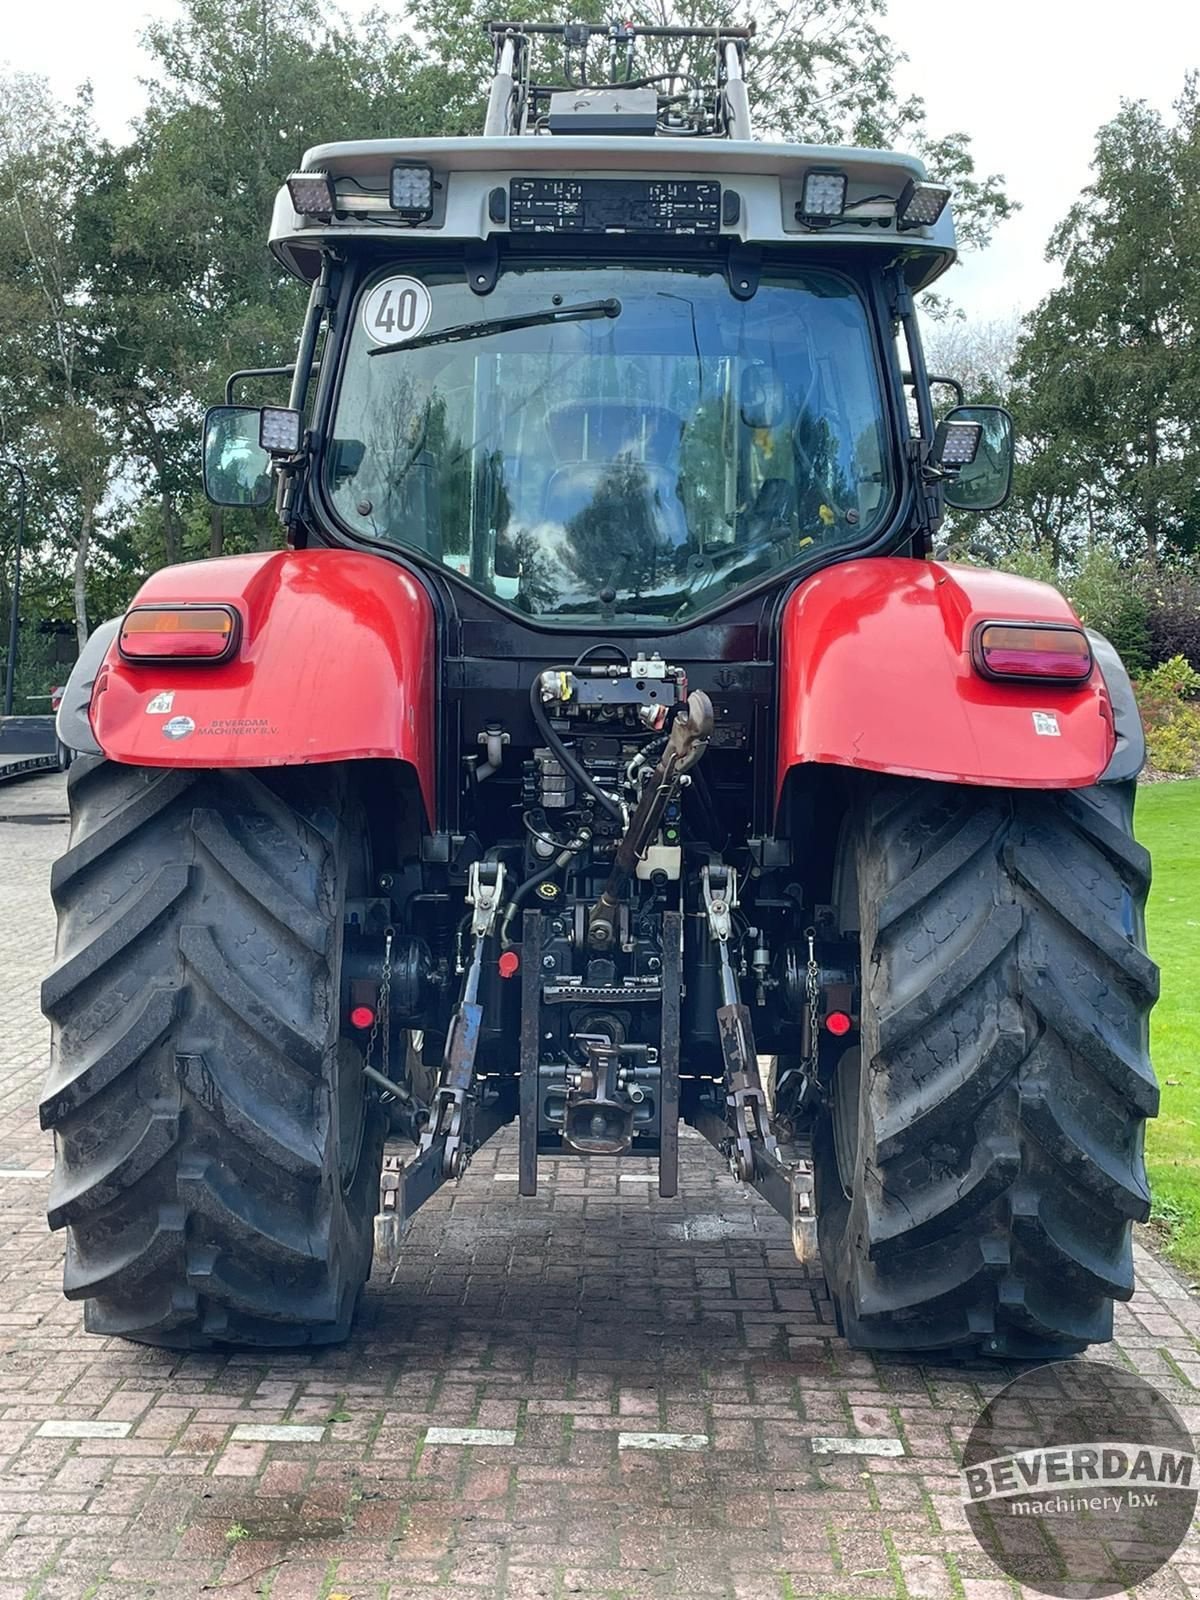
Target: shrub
1105,594
1027,560
1176,678
1174,746
1171,722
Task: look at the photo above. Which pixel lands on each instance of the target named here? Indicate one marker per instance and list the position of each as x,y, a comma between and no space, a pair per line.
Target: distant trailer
28,745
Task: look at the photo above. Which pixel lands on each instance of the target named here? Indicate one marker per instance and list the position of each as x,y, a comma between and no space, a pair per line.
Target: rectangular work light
823,196
921,204
178,633
956,444
1032,650
412,193
280,430
312,193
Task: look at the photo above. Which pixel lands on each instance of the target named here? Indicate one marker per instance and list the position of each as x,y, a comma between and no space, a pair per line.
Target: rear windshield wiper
522,319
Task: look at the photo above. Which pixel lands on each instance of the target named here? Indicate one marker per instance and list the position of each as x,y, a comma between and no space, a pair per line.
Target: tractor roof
487,187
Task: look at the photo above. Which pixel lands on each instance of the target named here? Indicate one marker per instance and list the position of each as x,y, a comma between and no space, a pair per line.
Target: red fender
335,662
875,672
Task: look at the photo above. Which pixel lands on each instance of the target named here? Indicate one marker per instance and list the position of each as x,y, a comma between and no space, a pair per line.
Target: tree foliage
134,277
1103,379
1107,373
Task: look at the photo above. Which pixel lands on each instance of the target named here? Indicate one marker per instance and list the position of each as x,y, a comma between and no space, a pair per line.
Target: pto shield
334,661
876,671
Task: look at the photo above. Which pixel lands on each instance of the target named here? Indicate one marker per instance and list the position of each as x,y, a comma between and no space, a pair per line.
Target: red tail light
1032,650
178,633
839,1023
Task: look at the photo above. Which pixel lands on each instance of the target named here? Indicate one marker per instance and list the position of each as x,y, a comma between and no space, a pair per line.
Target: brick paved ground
689,1317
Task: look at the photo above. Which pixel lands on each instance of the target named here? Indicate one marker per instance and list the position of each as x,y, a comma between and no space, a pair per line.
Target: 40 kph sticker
396,309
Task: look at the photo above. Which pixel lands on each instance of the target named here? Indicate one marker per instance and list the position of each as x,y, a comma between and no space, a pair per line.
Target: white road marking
637,1177
662,1441
22,1172
505,1177
858,1447
470,1436
278,1433
60,1428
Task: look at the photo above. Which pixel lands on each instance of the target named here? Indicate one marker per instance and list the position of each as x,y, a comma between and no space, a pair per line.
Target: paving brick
588,1311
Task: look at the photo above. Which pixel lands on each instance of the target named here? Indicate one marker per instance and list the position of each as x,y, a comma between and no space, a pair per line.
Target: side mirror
975,444
237,470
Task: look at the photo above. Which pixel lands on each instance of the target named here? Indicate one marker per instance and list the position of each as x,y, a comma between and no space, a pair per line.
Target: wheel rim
846,1086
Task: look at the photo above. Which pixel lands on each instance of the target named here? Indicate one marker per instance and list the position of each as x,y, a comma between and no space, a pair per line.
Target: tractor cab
615,362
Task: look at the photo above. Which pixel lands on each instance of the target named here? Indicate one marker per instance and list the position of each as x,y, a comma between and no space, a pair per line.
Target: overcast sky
1030,82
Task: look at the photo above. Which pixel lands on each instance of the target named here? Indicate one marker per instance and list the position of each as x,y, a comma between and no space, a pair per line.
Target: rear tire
979,1174
216,1155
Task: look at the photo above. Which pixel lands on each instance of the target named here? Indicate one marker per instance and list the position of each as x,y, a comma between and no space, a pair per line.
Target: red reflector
173,633
361,1017
508,964
839,1023
1016,650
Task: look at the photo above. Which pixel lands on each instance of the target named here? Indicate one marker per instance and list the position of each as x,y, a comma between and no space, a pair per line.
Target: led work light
312,193
956,444
412,193
279,430
823,196
921,204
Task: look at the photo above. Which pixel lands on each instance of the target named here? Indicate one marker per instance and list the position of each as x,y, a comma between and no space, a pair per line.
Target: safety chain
812,989
382,1023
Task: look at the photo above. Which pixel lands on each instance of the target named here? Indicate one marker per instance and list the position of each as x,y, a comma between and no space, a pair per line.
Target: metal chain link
383,1009
812,988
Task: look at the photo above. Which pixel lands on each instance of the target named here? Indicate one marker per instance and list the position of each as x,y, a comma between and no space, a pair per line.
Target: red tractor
604,750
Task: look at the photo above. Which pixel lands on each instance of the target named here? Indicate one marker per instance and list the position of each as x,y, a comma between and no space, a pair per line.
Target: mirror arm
930,507
243,373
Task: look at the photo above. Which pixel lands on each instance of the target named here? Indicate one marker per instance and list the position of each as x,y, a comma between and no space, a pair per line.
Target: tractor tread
195,1049
1005,1074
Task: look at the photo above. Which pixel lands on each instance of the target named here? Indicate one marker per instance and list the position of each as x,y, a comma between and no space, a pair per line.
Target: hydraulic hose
686,743
523,890
582,777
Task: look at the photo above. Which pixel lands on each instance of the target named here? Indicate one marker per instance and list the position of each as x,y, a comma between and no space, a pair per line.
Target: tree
1108,368
52,416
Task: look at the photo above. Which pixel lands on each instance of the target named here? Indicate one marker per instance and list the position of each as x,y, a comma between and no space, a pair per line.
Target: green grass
1168,824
